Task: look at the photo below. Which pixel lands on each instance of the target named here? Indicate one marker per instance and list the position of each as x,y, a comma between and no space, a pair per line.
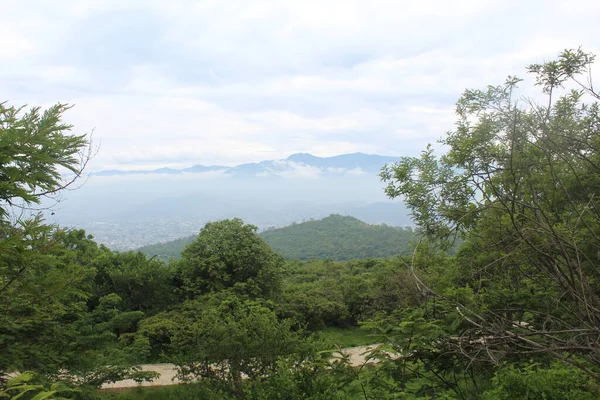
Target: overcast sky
177,83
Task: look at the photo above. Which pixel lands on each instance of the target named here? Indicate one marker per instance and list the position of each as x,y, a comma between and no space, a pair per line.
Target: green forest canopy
337,238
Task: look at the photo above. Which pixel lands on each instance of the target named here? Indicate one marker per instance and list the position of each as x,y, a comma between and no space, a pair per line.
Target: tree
142,284
35,148
221,336
46,277
41,294
520,182
229,254
40,277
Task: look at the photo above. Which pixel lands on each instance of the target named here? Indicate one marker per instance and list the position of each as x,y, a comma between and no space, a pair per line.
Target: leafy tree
41,293
536,381
313,305
414,357
320,294
39,275
45,273
227,338
520,183
142,284
34,147
229,254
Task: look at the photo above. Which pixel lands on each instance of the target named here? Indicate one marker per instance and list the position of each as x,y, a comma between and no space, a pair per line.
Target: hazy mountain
335,237
365,162
354,163
203,168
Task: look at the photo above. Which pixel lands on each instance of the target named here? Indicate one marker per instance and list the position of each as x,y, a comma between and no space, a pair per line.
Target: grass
348,337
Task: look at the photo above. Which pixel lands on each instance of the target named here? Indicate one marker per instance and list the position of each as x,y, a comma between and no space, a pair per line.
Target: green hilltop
337,238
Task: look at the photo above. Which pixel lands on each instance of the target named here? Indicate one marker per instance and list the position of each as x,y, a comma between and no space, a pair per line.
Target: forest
336,238
513,312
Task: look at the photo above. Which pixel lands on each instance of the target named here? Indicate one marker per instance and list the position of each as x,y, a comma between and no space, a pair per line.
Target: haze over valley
129,209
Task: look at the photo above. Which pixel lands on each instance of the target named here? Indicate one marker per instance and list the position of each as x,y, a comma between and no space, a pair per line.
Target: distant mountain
203,168
300,163
366,162
170,171
336,237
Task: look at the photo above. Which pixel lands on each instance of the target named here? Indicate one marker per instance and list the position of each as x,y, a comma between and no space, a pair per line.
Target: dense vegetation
336,238
515,313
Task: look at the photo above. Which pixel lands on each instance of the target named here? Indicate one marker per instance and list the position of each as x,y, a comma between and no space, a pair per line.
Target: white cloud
298,171
356,172
211,82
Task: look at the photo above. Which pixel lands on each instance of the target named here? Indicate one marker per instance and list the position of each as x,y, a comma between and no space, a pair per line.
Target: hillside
336,237
167,250
339,238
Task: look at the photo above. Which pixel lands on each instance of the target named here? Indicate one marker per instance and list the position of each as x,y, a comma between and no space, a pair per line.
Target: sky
178,83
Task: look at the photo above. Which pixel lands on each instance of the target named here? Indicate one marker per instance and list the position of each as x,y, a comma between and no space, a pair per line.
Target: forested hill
336,237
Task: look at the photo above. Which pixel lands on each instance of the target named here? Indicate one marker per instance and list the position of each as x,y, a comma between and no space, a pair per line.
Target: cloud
298,171
356,172
210,82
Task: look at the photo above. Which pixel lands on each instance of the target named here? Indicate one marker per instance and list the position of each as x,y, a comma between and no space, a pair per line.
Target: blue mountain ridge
368,163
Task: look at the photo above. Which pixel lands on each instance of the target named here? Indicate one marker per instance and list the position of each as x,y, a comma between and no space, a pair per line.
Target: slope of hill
339,238
336,237
167,250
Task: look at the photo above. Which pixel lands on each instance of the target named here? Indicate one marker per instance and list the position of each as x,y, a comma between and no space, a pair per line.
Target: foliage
536,381
41,296
34,146
519,182
28,386
40,276
47,324
313,305
228,338
326,293
311,380
415,358
229,254
142,284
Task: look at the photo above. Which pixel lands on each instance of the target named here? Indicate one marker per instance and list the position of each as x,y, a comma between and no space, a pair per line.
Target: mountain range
356,163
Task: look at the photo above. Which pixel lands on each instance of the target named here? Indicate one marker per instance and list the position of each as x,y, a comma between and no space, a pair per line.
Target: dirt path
168,371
